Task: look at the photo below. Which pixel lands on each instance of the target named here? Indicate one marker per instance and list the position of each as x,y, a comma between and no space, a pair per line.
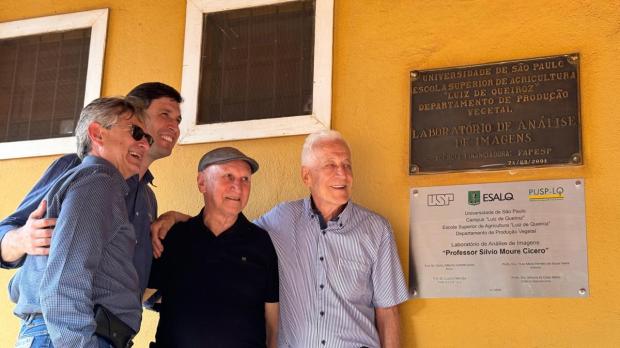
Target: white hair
319,137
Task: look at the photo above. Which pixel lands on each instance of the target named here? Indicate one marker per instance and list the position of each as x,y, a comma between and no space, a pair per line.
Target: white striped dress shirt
332,279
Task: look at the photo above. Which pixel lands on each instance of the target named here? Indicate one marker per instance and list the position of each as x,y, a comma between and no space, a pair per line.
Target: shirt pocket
353,280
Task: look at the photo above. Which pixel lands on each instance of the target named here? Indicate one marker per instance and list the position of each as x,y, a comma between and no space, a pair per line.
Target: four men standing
340,275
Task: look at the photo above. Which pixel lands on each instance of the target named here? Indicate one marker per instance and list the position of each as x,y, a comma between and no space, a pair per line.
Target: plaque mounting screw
575,158
415,192
414,75
413,169
582,291
572,59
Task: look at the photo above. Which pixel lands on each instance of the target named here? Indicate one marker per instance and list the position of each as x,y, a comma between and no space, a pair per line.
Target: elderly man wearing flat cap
218,274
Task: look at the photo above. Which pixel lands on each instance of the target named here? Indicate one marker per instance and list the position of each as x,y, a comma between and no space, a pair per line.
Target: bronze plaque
517,113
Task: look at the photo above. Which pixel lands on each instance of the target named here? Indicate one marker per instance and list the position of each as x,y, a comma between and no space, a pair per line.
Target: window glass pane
257,63
42,82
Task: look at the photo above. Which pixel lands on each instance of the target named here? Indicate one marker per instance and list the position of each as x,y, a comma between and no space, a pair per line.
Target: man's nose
236,184
144,143
341,169
173,125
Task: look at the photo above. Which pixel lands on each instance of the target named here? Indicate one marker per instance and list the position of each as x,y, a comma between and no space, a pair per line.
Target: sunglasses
137,133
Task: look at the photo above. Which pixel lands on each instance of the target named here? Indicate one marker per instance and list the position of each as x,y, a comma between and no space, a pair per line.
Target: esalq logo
473,197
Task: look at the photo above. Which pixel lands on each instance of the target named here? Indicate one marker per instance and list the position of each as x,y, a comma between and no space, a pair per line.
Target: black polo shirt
214,289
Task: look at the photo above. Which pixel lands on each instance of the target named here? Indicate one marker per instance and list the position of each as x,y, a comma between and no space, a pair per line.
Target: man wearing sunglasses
88,272
27,232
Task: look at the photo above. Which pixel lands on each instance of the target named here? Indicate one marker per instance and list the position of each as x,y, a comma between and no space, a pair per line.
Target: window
256,68
50,67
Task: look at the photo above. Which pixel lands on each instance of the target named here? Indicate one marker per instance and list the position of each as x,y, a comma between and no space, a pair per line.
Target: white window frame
97,20
191,132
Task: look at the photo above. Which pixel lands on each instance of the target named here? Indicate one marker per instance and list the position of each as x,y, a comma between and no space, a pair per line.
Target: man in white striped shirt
340,276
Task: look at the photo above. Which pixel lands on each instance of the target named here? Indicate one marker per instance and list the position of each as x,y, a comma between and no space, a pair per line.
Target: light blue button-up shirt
90,259
332,279
141,207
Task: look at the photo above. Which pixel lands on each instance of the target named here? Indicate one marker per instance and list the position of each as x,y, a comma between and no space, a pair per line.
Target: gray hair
106,112
318,137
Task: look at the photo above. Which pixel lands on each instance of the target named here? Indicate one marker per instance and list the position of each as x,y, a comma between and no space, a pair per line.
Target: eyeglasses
137,133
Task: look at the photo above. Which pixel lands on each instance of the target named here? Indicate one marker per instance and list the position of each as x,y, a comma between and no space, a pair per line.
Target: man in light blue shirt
340,275
89,267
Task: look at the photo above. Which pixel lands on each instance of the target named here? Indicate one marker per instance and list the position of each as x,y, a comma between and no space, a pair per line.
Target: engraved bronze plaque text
493,116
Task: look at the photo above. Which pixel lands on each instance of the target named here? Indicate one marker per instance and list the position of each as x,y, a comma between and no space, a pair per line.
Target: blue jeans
33,334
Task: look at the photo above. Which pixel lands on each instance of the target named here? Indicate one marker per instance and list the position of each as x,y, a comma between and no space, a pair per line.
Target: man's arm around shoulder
24,232
161,227
32,238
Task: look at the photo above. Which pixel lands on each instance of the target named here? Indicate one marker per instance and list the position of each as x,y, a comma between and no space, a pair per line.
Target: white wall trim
191,132
97,20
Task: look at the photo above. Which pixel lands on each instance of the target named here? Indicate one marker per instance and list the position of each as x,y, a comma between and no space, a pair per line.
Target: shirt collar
95,160
239,223
338,223
148,177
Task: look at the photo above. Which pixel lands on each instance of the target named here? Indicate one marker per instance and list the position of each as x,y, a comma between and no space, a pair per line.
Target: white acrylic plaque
516,239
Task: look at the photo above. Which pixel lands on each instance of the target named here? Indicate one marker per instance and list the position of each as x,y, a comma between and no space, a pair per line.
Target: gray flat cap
223,155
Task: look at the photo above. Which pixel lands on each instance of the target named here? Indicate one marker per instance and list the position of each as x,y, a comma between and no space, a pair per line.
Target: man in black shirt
218,274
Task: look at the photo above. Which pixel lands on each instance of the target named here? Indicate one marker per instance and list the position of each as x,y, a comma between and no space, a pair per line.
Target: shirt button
321,286
321,258
137,213
323,231
322,313
323,342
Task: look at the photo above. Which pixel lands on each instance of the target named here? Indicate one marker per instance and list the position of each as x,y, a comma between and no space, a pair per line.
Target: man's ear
306,176
201,181
95,133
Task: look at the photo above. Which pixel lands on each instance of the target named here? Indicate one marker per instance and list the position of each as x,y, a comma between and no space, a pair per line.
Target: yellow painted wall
377,43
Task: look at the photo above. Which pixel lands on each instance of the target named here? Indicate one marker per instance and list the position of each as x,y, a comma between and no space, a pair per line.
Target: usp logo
439,199
473,197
